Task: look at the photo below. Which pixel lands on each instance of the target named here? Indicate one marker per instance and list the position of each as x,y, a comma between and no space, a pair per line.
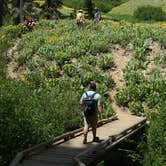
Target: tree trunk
21,10
1,20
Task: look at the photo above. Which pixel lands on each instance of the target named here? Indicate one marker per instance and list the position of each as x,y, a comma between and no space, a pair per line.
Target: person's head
80,11
29,19
96,9
92,86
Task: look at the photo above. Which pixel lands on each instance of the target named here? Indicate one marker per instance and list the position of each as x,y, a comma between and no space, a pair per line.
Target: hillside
104,6
45,71
126,10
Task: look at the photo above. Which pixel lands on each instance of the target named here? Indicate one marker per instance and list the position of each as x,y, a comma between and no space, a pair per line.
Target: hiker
30,23
97,16
80,18
91,105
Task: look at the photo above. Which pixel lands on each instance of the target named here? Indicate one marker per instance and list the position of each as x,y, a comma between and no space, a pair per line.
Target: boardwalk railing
95,154
55,141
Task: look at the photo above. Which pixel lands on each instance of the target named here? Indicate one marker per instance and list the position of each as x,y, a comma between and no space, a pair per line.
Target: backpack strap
91,97
86,94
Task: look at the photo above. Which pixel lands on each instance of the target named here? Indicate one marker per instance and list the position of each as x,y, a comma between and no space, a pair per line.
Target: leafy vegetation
104,6
126,10
150,13
60,61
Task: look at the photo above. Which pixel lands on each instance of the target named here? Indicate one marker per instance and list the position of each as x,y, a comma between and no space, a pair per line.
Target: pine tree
3,10
51,8
89,7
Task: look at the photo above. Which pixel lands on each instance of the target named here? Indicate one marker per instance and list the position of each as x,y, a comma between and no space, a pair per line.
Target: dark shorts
79,22
91,120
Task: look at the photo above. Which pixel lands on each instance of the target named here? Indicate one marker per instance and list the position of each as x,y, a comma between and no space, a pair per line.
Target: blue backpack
89,105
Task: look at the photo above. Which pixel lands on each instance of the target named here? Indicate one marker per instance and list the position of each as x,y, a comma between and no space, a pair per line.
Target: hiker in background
91,105
80,18
97,16
30,23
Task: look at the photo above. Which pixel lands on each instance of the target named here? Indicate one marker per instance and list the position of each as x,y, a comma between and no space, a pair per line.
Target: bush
106,62
30,115
156,137
148,13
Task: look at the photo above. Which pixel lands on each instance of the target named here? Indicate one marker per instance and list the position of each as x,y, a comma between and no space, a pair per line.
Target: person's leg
94,131
94,126
85,130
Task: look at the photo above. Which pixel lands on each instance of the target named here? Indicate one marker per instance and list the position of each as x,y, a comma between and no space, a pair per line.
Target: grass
66,11
126,10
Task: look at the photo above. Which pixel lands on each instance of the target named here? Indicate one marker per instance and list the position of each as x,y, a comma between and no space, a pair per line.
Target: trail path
13,69
64,153
121,59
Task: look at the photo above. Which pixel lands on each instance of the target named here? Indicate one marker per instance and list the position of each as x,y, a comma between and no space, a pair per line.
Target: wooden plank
99,150
45,145
42,163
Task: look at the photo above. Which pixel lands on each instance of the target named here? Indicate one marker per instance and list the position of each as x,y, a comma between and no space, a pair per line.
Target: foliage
51,8
156,136
89,7
104,6
126,10
150,13
3,9
35,114
160,59
105,62
61,61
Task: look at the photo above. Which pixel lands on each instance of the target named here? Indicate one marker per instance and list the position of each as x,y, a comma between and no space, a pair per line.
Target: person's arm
81,103
99,106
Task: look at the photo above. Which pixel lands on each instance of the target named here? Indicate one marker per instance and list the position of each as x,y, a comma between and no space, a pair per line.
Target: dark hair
92,86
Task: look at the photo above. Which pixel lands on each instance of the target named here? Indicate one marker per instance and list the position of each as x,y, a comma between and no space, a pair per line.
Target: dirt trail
121,59
13,69
155,49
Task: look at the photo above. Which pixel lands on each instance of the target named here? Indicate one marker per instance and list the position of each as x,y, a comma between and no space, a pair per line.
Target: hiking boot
96,139
84,141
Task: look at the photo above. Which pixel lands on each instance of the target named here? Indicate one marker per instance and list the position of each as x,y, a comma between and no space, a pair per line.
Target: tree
89,7
51,8
17,10
3,10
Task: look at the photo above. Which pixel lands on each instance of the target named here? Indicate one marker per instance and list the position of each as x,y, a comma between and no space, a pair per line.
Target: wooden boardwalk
71,152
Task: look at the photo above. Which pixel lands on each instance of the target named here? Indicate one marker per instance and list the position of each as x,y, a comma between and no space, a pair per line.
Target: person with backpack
91,105
97,16
80,18
30,23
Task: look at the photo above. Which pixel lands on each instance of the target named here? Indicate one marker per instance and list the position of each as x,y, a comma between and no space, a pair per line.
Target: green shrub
13,31
150,13
123,97
105,62
160,59
51,71
61,59
30,115
108,80
71,70
156,137
136,107
134,78
47,51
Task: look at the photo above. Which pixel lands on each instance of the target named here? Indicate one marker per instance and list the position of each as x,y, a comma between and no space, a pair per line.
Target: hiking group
91,107
80,17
